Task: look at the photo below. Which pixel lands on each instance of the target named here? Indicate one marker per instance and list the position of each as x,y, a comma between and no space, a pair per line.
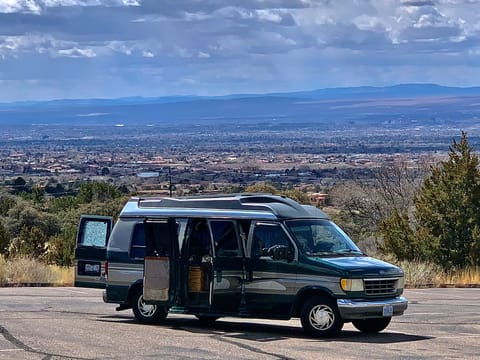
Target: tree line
32,225
427,211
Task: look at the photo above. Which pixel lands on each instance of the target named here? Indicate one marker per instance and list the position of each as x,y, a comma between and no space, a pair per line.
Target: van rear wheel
146,313
320,317
371,325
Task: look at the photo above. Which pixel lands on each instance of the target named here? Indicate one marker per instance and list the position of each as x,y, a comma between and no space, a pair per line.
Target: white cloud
236,44
77,53
203,55
37,6
269,15
120,47
12,6
368,22
188,16
14,45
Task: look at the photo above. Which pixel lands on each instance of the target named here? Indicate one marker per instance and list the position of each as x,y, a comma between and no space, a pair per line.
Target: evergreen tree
262,187
444,226
30,243
4,240
298,196
6,203
448,205
399,238
97,192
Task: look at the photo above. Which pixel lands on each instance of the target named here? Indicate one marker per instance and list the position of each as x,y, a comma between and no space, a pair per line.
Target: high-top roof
245,205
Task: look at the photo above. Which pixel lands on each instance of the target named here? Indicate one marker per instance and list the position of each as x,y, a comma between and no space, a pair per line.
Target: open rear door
161,261
91,251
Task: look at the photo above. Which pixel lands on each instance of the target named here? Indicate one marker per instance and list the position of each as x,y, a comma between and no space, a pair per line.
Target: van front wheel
146,313
320,317
371,325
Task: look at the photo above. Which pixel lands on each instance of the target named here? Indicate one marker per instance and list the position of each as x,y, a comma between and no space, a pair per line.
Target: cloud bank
111,48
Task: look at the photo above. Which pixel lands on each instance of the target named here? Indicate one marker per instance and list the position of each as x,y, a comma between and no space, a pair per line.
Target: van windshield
322,238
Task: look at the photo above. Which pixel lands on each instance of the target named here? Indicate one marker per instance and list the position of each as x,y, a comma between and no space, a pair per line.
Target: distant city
311,139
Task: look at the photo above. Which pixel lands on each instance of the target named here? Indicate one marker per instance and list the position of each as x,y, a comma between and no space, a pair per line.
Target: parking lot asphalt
74,323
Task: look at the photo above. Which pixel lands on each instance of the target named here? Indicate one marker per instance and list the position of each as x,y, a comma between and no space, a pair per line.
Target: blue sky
51,49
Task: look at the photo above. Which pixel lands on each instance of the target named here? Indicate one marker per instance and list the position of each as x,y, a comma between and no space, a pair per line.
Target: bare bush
364,204
418,273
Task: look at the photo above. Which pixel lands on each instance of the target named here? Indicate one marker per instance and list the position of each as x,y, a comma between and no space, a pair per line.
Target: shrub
26,270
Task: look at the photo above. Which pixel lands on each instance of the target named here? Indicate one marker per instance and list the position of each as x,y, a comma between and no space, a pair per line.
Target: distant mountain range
420,102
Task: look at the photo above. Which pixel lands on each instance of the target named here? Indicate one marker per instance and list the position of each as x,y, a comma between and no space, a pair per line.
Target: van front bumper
362,309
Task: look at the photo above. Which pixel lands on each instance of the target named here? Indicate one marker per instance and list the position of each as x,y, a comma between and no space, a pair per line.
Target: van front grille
380,286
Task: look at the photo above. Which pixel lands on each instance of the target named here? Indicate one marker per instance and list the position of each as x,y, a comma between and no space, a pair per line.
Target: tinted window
225,238
266,237
137,248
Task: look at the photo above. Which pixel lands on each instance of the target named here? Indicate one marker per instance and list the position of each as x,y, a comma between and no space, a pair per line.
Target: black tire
207,320
320,317
146,313
371,326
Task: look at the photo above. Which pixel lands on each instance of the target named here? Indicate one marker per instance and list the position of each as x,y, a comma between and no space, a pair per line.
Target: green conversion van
244,255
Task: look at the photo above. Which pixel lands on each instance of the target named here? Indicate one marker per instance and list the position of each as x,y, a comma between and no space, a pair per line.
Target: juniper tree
448,205
444,225
4,239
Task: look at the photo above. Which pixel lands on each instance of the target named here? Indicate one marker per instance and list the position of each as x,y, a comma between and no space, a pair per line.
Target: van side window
137,247
199,242
225,238
267,236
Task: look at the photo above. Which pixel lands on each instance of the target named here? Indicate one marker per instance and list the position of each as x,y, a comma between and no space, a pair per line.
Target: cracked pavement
74,323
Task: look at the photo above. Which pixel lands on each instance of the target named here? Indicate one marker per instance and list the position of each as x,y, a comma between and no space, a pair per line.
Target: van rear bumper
361,309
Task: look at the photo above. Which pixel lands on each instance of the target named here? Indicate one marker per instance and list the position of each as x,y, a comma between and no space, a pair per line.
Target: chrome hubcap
146,310
321,317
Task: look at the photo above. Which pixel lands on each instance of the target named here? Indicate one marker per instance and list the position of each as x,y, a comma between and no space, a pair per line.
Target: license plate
387,310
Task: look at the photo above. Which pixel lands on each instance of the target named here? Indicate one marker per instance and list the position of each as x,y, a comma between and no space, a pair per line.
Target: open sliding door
161,261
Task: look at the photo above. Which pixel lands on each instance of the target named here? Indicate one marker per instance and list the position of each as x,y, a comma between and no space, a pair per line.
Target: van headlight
401,282
351,284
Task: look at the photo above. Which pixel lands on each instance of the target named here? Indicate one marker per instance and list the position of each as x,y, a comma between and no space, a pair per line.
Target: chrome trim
380,286
359,309
131,209
353,304
381,279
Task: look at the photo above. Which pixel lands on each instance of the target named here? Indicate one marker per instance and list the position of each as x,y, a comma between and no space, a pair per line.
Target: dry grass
24,270
468,276
64,275
422,274
417,274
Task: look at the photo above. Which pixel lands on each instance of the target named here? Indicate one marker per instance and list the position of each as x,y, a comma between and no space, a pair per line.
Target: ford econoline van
244,255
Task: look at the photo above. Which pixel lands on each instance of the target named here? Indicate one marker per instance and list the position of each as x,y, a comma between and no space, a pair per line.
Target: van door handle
218,275
249,275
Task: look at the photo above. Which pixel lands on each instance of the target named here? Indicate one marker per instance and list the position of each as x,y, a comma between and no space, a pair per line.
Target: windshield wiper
322,253
336,253
350,251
